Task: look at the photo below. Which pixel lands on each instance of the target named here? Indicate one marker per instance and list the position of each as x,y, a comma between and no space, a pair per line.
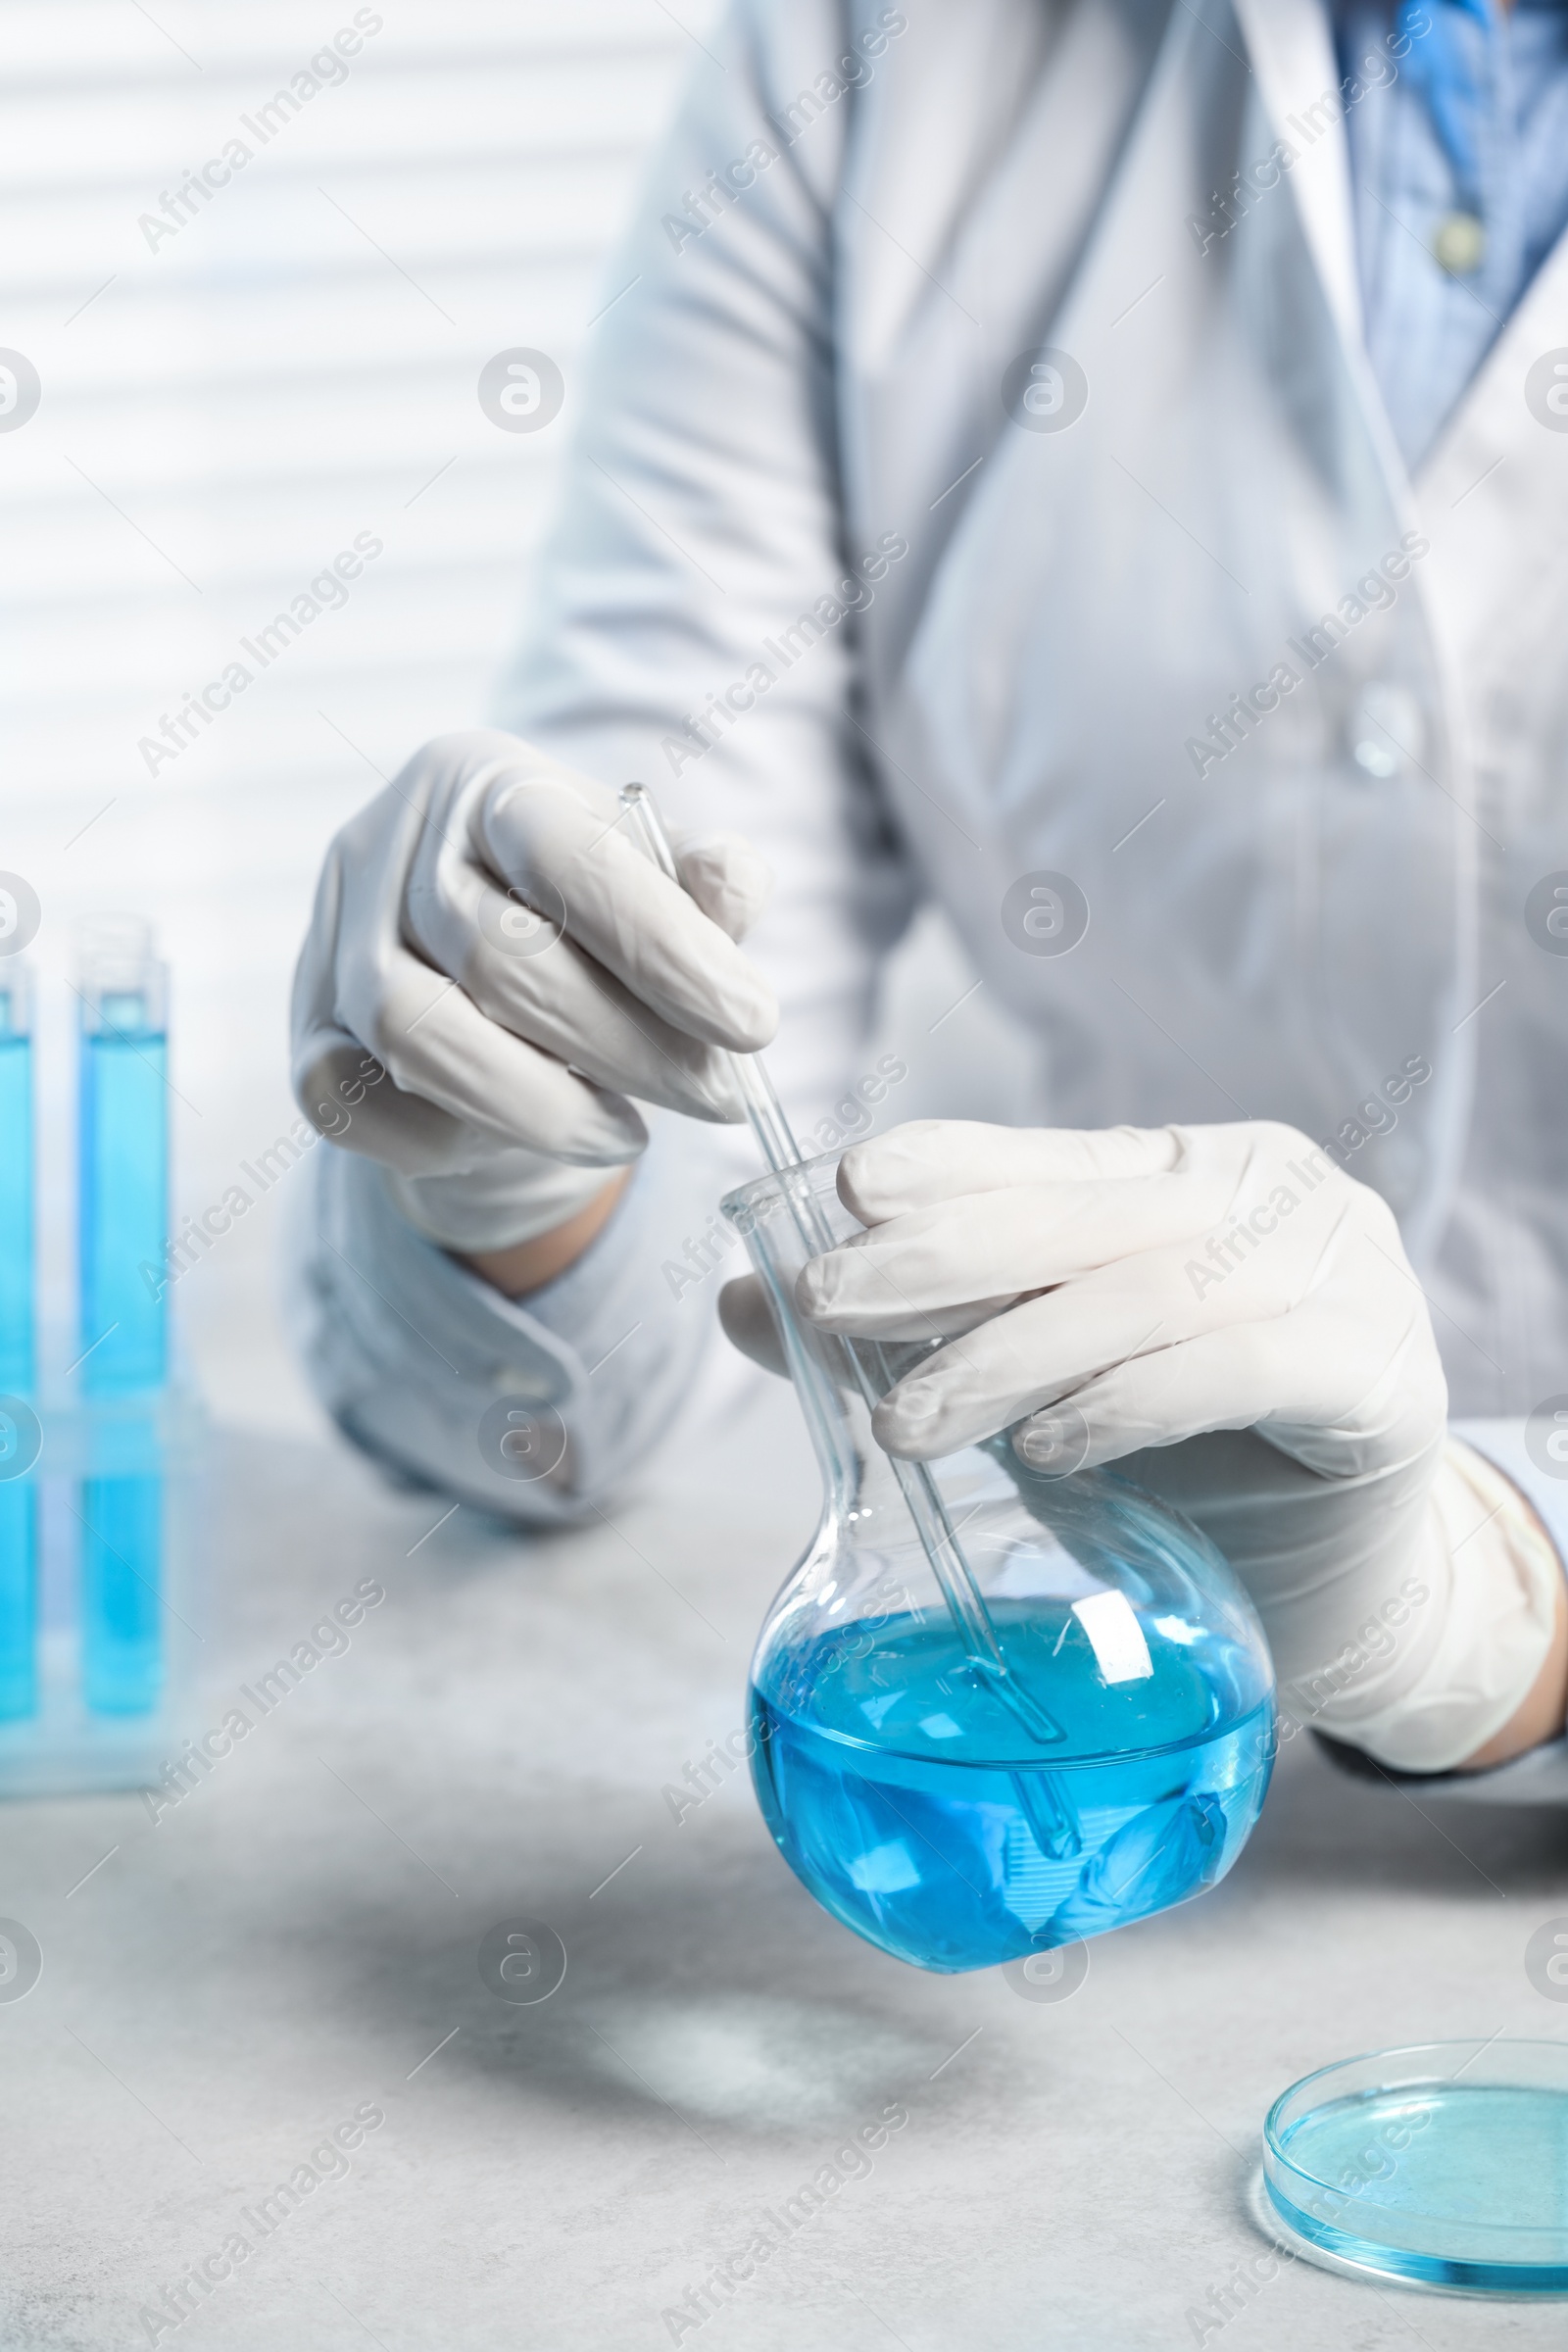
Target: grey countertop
297,1940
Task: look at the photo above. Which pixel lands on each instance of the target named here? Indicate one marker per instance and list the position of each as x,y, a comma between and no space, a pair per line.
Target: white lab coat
794,383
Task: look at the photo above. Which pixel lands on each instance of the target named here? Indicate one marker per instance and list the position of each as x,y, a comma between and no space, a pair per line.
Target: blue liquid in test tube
124,1202
124,1219
18,1494
122,1603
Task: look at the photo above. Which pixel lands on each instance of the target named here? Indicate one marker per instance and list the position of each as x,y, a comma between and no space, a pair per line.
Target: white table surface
301,1933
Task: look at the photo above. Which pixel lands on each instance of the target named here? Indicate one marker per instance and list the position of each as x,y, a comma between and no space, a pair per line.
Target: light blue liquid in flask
124,1223
955,1816
19,1493
900,1793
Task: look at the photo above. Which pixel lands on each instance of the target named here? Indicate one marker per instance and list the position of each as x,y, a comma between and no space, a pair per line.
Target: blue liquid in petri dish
909,1801
1454,2183
123,1197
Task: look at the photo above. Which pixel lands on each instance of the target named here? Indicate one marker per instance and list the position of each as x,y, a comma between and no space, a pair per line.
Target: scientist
1100,466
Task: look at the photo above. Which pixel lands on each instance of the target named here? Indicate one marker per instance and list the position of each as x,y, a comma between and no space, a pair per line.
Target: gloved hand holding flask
1226,1312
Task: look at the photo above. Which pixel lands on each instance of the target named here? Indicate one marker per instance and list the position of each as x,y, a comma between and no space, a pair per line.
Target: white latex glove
1165,1281
488,933
1126,1293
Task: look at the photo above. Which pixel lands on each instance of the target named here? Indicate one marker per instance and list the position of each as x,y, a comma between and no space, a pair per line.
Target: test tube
121,1596
123,1203
19,1493
123,1220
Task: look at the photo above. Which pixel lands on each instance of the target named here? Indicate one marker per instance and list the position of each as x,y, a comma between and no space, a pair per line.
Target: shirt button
1385,732
1459,245
529,1383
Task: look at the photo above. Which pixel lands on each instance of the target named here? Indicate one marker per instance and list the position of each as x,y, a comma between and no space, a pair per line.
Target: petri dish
1443,2165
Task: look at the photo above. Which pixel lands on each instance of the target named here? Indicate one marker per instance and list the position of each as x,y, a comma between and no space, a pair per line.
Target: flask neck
857,1478
858,1481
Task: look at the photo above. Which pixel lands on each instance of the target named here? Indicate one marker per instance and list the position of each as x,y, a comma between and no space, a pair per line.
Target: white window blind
266,377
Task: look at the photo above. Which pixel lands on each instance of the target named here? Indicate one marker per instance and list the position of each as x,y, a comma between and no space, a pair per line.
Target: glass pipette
1046,1802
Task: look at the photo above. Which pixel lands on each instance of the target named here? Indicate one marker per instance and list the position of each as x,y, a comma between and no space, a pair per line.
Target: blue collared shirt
1475,120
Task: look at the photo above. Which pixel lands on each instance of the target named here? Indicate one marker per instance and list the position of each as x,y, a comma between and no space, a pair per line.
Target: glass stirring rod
1046,1802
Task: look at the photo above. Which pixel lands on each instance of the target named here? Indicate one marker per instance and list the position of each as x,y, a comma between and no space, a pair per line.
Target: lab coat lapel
1493,500
1493,496
1214,368
1291,53
1114,587
990,137
1291,49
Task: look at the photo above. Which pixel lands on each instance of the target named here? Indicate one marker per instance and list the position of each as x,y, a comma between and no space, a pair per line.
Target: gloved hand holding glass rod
1137,584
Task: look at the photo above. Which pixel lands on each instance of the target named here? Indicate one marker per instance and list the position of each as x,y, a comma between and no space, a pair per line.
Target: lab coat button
1385,730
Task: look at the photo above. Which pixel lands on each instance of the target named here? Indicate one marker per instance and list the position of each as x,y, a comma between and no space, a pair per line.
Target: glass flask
1081,1735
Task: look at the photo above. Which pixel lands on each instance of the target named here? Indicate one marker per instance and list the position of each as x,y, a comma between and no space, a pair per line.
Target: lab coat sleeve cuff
410,1352
1540,1777
1504,1444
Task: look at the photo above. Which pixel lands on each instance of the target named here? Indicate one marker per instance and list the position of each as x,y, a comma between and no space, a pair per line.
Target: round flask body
1102,1756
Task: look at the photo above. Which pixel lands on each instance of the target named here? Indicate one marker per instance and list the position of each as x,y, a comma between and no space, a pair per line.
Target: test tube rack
100,1427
